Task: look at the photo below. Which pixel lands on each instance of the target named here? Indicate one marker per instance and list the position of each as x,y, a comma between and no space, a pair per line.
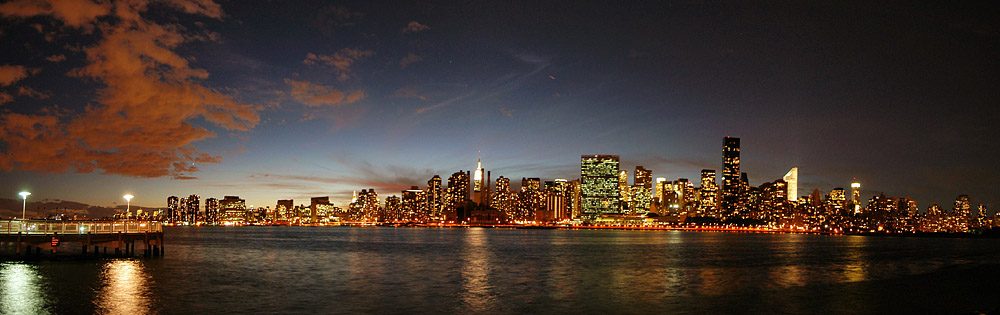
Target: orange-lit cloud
411,58
11,74
414,27
314,95
5,98
140,122
76,13
341,61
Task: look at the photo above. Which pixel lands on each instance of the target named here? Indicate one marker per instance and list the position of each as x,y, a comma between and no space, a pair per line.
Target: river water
213,270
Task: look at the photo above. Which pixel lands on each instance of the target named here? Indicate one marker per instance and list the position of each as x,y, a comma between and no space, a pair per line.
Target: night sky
294,99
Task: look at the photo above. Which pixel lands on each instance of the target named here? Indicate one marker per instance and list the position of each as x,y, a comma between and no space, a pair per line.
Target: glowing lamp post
24,195
128,202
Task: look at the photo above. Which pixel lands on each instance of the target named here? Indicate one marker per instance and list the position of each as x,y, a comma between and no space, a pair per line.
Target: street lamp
128,202
24,195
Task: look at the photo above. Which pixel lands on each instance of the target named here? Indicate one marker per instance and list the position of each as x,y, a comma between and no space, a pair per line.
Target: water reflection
789,272
478,293
22,293
855,266
124,289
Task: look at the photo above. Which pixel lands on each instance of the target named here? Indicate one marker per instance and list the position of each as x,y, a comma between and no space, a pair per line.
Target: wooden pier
96,238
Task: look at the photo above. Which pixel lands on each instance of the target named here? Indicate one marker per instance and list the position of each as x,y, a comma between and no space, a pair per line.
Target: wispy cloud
341,61
410,58
414,27
314,95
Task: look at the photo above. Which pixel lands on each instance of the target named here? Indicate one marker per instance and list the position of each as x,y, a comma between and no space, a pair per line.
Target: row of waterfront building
602,196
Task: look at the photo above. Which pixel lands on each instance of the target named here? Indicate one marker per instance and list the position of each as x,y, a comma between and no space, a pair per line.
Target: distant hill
11,208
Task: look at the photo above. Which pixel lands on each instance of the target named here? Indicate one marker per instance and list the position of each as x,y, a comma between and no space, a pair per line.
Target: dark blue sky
294,99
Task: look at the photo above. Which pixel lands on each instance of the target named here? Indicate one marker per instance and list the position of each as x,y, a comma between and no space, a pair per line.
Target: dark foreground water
214,270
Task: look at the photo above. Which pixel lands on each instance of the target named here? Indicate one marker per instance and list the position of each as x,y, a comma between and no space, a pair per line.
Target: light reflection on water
855,267
23,292
476,272
124,288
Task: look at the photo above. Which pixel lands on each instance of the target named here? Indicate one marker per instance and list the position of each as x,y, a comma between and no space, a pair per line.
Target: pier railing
46,227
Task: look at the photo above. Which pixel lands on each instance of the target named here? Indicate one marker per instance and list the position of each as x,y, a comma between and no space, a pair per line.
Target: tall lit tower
792,178
730,172
481,183
856,195
477,184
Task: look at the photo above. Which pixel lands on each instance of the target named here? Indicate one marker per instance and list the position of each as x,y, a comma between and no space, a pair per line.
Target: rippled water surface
406,270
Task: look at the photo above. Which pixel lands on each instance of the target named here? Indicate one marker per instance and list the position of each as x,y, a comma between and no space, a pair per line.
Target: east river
306,270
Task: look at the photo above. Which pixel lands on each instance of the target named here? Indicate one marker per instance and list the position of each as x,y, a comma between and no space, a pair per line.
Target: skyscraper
173,208
480,184
856,196
599,190
792,179
211,210
193,208
643,177
623,193
435,197
458,190
730,173
837,198
709,192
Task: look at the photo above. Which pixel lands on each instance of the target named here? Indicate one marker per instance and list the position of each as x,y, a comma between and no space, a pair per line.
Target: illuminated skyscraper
413,205
458,190
640,195
856,195
285,210
730,173
481,184
963,206
477,184
708,205
211,210
320,209
435,196
574,195
503,198
393,209
599,190
643,177
530,184
792,179
623,188
837,198
193,208
173,208
232,209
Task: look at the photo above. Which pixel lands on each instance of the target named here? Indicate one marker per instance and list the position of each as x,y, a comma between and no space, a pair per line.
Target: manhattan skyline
309,99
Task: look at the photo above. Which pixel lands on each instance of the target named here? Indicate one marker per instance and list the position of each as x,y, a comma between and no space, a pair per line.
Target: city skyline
297,100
